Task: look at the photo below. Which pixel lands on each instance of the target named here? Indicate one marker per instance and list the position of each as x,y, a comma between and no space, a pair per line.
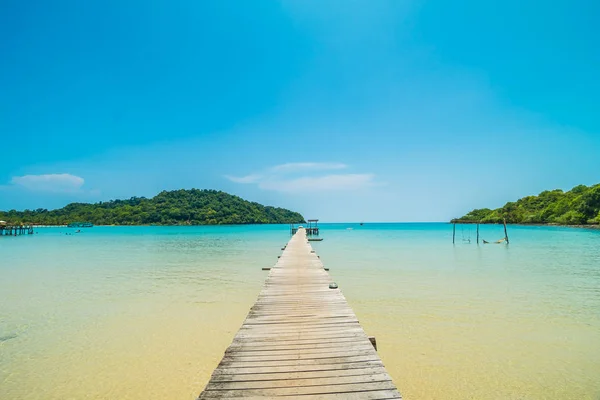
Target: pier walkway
300,340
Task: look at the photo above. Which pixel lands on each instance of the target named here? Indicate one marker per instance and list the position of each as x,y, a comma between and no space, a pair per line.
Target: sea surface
147,312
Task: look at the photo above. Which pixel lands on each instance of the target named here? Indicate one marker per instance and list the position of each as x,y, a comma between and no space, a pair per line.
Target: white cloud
287,168
300,177
303,166
244,179
64,183
336,182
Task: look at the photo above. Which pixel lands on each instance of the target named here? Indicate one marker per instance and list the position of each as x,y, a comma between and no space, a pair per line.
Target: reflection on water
138,312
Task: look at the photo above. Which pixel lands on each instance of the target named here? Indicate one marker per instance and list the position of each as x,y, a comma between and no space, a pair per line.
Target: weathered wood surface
300,340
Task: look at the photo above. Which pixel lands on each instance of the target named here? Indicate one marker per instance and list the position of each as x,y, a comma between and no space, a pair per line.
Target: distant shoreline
587,226
96,225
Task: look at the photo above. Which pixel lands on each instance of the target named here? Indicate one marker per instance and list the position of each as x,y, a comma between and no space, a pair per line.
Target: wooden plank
332,344
300,340
232,361
303,390
281,321
364,395
245,370
281,340
299,355
274,337
255,329
298,382
236,377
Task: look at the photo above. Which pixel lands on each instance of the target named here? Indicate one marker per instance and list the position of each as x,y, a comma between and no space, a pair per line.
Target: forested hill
179,207
579,206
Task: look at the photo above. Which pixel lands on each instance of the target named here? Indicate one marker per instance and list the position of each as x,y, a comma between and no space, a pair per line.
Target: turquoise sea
146,312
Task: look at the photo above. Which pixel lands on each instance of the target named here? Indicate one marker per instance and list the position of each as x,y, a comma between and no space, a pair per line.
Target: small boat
80,225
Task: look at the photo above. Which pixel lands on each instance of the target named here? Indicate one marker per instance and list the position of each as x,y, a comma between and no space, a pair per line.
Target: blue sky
342,110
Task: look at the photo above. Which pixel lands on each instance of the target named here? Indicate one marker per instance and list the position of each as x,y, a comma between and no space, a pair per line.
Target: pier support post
373,342
453,232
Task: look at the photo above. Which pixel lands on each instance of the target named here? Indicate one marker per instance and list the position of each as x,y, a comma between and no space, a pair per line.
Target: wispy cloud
57,183
244,179
335,182
285,178
304,166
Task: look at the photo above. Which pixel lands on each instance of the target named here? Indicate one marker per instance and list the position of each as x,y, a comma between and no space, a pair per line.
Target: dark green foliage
476,215
179,207
580,206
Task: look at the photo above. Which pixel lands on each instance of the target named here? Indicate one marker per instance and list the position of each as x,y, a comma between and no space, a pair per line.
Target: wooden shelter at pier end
312,228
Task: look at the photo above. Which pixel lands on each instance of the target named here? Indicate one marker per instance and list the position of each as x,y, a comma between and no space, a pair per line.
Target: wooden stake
505,231
478,233
373,341
453,232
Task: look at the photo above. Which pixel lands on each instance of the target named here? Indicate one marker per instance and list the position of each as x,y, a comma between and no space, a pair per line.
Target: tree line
578,206
178,207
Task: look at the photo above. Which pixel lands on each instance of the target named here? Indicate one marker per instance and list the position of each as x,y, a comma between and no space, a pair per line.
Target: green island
579,206
178,207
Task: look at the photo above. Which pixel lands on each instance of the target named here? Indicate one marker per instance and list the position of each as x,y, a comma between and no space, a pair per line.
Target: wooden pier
15,230
300,340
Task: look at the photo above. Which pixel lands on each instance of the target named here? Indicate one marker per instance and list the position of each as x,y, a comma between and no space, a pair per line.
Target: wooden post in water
477,232
505,231
373,341
453,232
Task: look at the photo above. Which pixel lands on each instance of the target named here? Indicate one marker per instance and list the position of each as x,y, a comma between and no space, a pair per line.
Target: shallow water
138,312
